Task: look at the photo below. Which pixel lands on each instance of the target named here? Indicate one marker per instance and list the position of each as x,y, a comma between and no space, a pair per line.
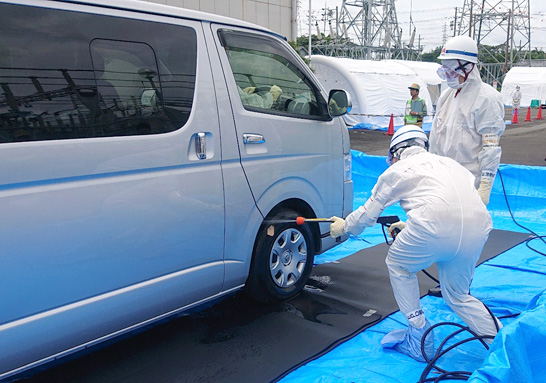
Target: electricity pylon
502,30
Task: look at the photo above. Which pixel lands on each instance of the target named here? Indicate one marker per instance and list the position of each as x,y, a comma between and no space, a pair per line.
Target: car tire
282,259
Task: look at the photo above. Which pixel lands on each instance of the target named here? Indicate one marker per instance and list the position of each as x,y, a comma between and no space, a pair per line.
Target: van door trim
104,296
116,334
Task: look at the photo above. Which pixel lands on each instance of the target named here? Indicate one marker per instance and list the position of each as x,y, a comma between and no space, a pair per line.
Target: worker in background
447,224
516,99
264,100
469,116
416,108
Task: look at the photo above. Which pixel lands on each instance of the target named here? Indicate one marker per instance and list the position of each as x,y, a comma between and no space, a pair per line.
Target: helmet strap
466,73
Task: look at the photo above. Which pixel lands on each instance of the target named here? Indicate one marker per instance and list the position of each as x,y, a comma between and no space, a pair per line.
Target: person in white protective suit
447,224
516,98
470,115
263,100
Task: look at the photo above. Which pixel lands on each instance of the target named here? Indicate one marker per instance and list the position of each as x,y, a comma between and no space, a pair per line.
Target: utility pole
508,45
455,24
309,49
470,22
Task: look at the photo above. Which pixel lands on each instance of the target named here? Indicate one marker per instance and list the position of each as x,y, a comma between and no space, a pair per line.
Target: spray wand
302,220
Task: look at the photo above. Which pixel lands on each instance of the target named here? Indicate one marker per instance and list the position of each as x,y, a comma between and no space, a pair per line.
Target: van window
115,77
268,80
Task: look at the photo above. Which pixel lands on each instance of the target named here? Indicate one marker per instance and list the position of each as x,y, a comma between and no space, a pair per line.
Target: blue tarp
512,282
367,126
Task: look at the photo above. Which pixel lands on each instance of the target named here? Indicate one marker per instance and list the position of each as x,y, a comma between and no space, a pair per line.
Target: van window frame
239,41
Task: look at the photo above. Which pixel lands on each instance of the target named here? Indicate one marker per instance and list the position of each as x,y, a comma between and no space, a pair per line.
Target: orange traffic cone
390,131
539,114
515,116
528,117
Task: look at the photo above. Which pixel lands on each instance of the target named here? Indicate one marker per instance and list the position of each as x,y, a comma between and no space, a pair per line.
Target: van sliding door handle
251,138
201,145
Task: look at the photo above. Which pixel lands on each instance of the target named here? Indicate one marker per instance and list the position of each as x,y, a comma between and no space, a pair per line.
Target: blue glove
408,341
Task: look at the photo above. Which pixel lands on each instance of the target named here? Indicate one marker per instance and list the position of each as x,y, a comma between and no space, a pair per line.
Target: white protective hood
532,83
377,88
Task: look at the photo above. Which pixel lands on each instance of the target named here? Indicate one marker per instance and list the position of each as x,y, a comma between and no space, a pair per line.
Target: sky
432,19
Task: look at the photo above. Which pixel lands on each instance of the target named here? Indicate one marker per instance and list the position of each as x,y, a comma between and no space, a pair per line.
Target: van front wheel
282,259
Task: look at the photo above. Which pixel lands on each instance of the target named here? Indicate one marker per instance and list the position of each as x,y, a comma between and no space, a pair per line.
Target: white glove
400,225
336,227
275,92
484,190
249,89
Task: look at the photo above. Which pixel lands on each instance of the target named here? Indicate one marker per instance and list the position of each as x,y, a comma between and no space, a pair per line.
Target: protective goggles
389,158
405,144
393,150
446,73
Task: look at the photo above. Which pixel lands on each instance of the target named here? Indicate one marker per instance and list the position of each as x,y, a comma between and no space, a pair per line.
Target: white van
149,155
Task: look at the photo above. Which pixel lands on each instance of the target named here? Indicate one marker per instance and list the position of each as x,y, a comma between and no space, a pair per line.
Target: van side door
289,145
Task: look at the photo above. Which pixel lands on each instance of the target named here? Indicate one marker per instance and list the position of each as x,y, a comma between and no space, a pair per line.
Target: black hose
465,375
541,237
430,276
431,363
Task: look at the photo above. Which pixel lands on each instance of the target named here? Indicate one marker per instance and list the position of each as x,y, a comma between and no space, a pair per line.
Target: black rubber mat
239,341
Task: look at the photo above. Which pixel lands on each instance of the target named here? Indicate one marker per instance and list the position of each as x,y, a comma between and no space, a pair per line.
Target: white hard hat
407,132
460,48
407,135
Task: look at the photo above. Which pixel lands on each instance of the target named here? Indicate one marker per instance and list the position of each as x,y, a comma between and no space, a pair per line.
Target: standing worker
469,116
516,99
416,108
447,224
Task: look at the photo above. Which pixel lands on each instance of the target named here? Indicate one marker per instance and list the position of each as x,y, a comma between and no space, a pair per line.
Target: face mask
453,83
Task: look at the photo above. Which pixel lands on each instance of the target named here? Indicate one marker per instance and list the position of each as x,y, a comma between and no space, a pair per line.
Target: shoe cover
408,341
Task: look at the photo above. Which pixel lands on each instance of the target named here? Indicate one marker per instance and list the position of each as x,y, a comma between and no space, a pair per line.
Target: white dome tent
532,83
377,88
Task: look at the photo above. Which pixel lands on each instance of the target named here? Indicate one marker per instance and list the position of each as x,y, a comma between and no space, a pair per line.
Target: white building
277,15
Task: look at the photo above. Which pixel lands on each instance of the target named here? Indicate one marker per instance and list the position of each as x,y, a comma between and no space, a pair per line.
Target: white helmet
406,136
460,48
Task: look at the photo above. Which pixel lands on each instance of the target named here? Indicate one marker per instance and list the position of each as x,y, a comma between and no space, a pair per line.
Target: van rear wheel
282,260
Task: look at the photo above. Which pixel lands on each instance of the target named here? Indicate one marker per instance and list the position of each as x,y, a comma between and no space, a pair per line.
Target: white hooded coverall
516,98
467,127
447,224
263,101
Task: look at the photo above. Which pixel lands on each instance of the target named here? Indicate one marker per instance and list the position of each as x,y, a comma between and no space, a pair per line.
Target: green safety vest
409,118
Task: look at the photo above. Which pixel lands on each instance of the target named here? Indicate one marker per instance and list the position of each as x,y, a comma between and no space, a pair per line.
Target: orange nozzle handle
300,220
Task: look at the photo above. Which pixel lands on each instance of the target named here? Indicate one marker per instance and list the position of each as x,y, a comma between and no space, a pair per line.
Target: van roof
167,10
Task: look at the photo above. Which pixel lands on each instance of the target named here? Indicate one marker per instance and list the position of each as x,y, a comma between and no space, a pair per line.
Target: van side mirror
339,103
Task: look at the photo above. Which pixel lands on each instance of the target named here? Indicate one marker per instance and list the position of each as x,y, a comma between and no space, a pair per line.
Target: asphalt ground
523,143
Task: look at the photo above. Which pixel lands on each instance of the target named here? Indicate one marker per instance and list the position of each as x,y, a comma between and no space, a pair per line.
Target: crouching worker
447,224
